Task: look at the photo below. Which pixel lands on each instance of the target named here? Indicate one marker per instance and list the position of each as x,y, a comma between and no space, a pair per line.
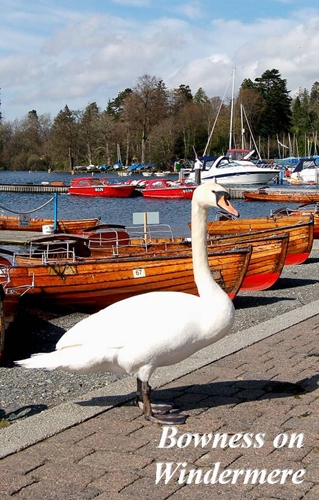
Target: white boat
236,166
124,173
224,170
305,172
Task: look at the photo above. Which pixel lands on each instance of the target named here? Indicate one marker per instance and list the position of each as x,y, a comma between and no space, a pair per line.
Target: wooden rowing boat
277,195
300,230
265,266
95,283
267,259
305,209
70,282
24,223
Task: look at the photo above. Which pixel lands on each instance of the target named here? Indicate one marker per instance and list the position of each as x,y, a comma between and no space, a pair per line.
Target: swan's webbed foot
157,412
158,407
173,418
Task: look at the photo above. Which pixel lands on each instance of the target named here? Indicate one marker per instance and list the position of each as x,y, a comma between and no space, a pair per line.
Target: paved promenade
253,406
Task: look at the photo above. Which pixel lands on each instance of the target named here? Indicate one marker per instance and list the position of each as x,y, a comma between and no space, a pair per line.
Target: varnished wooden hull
13,223
266,261
303,211
299,228
282,196
96,283
264,269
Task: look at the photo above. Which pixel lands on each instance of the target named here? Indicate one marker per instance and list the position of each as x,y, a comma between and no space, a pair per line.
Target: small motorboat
93,186
165,188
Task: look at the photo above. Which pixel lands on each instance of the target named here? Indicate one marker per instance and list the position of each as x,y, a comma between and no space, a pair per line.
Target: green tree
89,125
276,103
314,106
300,112
64,142
179,97
115,106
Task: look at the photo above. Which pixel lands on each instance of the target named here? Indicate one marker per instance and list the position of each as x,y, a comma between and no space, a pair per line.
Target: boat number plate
139,273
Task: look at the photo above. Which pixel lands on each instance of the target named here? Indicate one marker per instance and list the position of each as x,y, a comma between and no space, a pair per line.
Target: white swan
141,333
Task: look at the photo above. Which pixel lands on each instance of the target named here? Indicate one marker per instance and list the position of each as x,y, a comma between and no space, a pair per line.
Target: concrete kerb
31,430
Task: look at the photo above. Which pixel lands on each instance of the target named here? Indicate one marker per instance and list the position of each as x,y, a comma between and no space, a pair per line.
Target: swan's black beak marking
223,202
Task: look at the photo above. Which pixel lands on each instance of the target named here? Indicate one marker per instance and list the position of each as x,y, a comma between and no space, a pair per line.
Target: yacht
306,171
225,170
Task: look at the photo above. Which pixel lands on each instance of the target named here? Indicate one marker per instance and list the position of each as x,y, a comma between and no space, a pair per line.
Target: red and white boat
93,186
165,188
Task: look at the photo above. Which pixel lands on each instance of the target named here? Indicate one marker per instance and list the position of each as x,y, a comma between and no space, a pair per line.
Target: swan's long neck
206,285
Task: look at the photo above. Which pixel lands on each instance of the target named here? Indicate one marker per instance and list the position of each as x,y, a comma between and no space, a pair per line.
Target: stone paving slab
252,432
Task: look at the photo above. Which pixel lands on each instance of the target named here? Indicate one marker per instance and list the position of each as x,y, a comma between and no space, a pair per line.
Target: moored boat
24,223
62,273
277,195
300,230
305,209
164,188
225,171
93,186
267,258
264,269
305,171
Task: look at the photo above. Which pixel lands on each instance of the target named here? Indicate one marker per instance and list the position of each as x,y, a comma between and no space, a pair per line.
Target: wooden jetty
35,188
236,193
8,237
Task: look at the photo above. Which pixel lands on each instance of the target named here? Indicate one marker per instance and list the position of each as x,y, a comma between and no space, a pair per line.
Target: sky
75,52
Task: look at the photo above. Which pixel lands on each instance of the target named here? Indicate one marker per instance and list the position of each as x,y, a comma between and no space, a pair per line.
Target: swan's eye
227,198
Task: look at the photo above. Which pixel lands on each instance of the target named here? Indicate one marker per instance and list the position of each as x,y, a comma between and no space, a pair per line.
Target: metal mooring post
55,211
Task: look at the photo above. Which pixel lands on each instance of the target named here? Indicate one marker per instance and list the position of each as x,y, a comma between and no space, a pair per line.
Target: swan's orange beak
224,204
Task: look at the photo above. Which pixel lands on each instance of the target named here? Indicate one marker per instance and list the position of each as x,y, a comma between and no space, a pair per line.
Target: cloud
133,3
79,57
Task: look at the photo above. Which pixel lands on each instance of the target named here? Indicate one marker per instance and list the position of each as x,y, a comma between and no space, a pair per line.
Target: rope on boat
30,211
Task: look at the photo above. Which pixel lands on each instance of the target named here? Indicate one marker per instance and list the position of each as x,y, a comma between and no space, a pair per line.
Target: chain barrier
27,212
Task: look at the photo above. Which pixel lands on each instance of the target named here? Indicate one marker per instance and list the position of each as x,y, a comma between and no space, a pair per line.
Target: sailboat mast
242,127
231,112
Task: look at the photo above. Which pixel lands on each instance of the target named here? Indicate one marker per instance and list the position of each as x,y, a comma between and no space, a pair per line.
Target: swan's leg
157,406
159,418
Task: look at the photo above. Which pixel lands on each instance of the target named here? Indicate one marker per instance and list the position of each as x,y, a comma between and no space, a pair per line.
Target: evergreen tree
314,106
276,103
115,106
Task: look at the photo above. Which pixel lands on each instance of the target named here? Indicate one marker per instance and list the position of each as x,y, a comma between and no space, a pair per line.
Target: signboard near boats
24,220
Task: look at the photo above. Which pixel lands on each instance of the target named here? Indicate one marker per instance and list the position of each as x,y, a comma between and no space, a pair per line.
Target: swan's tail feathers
48,361
75,358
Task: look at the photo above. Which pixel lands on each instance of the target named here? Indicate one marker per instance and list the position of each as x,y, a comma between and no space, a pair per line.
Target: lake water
176,213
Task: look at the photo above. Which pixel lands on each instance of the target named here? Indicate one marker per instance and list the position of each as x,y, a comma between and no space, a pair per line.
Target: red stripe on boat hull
294,259
259,281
